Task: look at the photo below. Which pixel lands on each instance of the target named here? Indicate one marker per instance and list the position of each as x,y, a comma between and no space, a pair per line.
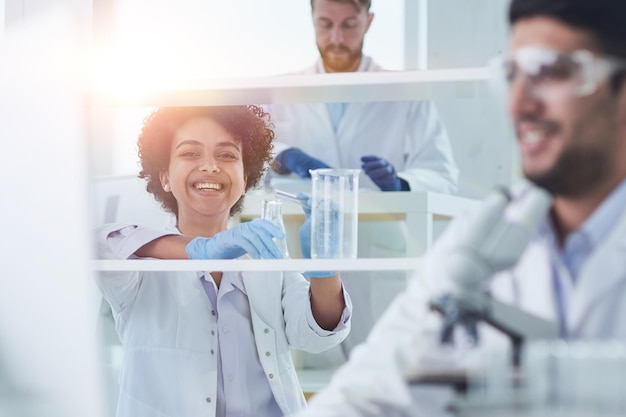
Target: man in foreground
565,68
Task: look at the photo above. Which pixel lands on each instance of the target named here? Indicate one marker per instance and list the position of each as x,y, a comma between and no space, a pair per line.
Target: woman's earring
166,188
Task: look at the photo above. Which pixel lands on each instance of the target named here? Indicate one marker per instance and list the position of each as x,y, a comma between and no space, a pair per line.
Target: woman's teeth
208,186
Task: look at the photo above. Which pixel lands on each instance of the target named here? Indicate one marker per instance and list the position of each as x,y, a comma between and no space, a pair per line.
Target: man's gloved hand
383,174
305,237
254,238
296,161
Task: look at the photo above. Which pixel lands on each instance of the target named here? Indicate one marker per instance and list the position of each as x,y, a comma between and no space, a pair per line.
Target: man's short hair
604,19
359,4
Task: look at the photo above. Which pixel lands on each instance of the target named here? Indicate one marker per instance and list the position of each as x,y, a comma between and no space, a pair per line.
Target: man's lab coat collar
604,270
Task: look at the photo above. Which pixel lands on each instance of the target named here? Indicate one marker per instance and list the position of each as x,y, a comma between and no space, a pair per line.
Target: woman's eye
228,156
189,154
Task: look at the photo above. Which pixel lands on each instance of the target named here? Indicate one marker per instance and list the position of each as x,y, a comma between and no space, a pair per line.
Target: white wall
48,298
2,18
215,38
467,33
16,12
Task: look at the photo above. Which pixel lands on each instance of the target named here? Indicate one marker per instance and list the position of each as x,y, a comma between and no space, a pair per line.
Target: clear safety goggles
550,75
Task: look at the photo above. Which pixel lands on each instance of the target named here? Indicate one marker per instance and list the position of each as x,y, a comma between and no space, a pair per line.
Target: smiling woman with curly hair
249,125
211,342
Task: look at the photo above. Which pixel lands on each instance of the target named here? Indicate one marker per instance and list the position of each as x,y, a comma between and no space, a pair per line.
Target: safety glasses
551,75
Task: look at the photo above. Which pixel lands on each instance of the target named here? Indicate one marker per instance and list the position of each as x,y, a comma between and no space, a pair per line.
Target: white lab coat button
212,352
271,376
208,400
266,330
212,332
267,354
213,312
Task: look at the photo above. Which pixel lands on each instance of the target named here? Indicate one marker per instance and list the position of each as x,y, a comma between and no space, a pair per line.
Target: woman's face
206,172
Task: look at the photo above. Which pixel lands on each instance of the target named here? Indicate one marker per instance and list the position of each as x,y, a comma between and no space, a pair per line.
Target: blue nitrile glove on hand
254,238
383,174
305,237
296,161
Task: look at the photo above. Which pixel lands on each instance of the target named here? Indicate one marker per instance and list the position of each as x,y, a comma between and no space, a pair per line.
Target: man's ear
165,181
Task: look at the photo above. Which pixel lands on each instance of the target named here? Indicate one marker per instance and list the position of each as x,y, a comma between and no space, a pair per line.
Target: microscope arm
517,323
493,240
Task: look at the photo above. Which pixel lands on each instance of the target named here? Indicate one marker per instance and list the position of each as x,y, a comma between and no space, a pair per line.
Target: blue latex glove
254,238
305,237
296,161
383,174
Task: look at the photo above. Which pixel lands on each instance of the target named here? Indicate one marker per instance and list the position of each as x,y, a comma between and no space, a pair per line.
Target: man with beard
400,146
565,70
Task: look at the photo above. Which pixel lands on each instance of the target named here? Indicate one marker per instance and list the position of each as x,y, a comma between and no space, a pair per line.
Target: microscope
495,238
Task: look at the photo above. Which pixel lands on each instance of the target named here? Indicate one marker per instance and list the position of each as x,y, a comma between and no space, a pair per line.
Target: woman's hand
254,238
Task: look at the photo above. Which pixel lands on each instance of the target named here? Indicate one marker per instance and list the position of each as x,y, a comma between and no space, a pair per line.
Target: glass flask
272,211
334,213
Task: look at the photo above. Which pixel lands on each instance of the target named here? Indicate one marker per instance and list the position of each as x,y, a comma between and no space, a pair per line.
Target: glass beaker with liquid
272,211
334,213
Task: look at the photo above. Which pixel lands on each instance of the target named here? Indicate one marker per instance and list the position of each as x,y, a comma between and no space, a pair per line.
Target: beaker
334,212
272,211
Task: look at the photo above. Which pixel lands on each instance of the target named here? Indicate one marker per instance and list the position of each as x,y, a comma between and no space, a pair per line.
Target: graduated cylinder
334,213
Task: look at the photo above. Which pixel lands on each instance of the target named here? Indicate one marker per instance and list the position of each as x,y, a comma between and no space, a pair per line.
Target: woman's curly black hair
250,125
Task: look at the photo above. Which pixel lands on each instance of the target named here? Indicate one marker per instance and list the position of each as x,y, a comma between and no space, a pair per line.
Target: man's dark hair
605,20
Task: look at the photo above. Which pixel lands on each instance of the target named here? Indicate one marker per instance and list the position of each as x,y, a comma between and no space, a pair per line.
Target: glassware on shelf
334,213
272,210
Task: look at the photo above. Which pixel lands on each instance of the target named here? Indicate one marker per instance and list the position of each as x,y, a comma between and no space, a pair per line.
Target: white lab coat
406,336
410,136
168,369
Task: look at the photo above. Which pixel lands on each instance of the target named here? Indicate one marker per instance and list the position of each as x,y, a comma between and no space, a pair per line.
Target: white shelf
309,88
362,264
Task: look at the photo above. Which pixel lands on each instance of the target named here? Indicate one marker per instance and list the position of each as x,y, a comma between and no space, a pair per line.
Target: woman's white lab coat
162,321
406,337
